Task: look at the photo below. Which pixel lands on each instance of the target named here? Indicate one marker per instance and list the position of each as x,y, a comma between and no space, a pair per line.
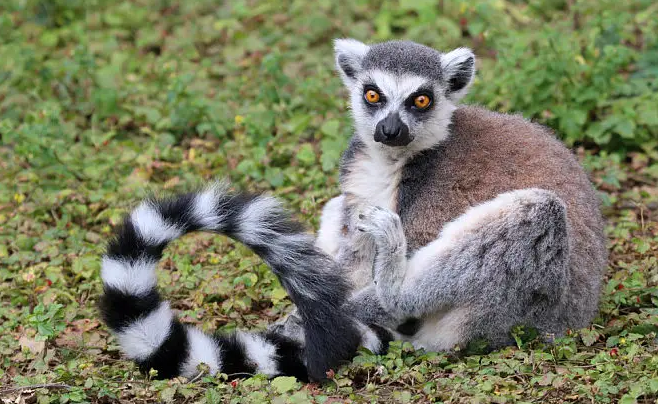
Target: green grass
105,102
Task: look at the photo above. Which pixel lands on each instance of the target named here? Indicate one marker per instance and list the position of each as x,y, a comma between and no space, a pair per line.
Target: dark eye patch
372,86
409,102
372,108
427,91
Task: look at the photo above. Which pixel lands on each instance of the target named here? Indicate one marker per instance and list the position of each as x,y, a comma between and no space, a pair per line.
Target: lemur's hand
384,226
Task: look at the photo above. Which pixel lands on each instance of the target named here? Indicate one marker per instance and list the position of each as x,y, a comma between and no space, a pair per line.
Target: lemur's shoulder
497,147
470,122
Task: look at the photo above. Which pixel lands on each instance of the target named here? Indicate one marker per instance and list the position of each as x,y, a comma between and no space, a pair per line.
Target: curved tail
151,335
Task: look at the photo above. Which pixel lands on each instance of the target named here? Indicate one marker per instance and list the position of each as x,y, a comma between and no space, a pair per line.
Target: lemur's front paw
373,219
382,224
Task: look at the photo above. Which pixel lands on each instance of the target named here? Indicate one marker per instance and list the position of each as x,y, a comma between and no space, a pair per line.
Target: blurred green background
103,102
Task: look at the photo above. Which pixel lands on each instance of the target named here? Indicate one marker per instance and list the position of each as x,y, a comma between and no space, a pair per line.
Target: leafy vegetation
104,102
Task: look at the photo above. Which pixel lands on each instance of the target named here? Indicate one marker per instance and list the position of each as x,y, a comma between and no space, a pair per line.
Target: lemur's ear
459,70
349,54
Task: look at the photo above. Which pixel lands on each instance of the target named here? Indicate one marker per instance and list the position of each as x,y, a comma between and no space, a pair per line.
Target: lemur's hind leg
501,263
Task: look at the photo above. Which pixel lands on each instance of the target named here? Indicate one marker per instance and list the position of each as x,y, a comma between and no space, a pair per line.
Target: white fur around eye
396,88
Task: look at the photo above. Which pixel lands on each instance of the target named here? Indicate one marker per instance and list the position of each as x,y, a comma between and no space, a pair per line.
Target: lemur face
402,93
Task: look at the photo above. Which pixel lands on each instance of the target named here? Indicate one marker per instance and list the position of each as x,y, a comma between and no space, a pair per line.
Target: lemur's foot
383,225
290,326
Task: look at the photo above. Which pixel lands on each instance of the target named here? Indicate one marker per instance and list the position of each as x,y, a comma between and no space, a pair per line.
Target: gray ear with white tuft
349,54
459,70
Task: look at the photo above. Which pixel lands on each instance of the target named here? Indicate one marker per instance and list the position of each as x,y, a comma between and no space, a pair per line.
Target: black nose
392,131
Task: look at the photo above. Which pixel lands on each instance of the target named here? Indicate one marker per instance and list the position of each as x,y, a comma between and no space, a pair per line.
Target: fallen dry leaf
32,345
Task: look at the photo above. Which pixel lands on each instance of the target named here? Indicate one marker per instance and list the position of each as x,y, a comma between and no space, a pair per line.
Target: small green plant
48,321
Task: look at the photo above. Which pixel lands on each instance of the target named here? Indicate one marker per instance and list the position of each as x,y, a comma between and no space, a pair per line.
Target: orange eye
422,101
372,96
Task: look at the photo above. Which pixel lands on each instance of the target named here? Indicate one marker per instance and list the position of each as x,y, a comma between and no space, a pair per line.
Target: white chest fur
374,179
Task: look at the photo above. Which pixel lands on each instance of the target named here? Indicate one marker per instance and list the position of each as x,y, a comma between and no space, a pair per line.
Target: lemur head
403,93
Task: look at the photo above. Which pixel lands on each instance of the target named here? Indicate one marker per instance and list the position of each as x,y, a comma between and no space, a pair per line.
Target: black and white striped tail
151,335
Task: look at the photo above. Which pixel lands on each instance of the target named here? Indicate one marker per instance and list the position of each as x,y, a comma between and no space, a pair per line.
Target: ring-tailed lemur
150,334
456,223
